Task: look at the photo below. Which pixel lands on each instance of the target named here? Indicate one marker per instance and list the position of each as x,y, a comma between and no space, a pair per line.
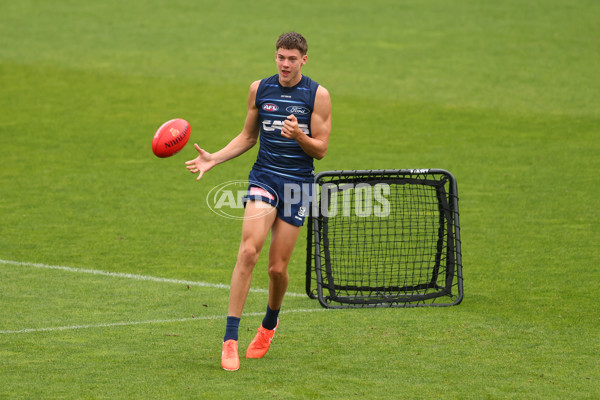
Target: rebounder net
384,238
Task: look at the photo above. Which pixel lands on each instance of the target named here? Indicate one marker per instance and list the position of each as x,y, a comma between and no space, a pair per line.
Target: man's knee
248,255
278,270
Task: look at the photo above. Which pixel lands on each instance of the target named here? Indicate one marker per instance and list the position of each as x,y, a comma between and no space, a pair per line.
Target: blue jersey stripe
289,142
280,101
283,155
270,115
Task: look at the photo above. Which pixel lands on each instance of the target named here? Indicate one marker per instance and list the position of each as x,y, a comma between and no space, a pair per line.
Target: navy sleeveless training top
277,154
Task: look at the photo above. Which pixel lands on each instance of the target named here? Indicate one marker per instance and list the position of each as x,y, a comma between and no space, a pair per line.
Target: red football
171,137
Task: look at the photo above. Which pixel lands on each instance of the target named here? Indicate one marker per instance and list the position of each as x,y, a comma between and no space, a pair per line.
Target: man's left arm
320,127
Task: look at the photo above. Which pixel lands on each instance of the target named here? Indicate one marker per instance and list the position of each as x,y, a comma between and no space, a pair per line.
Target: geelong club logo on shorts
227,198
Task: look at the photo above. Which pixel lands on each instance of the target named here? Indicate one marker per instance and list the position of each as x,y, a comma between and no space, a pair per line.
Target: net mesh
383,239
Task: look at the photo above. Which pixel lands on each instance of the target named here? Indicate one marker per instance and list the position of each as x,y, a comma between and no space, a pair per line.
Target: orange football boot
260,345
230,361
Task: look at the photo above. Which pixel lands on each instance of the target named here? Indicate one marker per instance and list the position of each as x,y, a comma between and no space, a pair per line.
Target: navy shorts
290,197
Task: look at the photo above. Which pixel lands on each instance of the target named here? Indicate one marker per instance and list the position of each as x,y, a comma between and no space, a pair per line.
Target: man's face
289,65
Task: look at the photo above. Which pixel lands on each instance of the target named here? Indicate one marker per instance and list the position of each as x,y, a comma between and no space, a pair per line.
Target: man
292,116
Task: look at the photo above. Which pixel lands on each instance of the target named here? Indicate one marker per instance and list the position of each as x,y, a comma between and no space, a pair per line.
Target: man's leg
255,228
283,241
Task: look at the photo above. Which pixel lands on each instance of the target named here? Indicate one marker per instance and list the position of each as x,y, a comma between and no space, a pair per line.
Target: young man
292,116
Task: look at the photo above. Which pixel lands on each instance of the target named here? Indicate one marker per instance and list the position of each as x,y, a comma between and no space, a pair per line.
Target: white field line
140,278
156,321
135,276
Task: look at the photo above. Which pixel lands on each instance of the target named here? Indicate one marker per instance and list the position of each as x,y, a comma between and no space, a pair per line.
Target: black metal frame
449,232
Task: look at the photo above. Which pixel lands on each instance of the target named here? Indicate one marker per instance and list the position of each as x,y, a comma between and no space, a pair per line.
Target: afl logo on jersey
297,110
270,107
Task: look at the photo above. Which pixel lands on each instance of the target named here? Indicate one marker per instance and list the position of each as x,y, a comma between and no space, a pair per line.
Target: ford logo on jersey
297,110
270,107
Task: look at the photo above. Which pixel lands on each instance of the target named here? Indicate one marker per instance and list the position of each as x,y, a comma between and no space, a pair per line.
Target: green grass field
504,94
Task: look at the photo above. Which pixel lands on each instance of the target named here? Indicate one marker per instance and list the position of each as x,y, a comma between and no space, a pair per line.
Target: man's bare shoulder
322,99
252,93
254,86
322,91
322,94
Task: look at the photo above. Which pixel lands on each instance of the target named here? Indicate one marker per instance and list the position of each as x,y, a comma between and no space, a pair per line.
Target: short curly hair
291,41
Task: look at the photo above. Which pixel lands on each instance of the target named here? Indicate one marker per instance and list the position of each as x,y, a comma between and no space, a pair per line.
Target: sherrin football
171,137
